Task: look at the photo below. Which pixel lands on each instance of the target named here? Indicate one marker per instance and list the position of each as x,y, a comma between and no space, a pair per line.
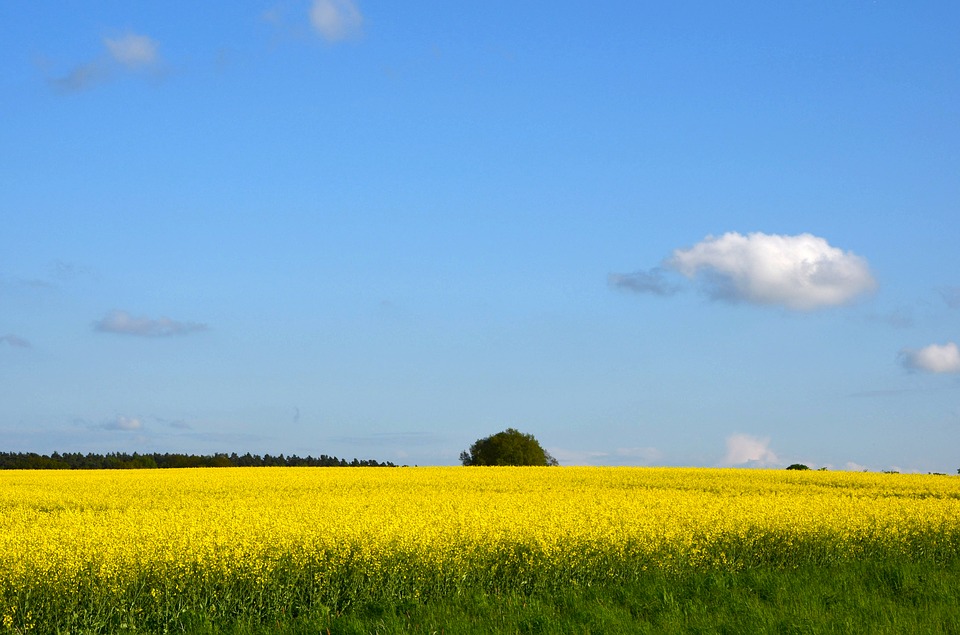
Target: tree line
124,461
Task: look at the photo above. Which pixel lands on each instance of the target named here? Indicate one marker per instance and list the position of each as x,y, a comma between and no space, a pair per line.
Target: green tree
510,447
798,466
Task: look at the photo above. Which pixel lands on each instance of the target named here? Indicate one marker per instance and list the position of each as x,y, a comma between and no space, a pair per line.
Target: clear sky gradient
648,233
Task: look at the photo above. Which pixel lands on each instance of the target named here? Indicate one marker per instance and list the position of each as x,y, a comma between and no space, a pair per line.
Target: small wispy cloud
125,424
131,52
176,424
336,20
59,273
81,77
936,358
882,392
14,340
901,318
30,283
801,273
951,295
647,454
618,456
390,438
744,449
652,281
123,323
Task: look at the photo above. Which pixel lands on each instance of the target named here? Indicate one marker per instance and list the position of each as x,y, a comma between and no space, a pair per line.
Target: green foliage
798,466
864,597
510,447
793,591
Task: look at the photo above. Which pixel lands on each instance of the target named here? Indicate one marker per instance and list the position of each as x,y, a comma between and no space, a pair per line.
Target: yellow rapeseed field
157,544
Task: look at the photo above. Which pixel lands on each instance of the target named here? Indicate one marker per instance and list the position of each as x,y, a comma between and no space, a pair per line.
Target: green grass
762,588
871,597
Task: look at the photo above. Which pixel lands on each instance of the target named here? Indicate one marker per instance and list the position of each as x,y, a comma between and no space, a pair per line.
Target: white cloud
743,449
13,340
933,359
336,20
123,323
132,50
800,272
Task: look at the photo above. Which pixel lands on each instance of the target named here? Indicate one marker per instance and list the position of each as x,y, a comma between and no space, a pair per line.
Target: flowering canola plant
153,547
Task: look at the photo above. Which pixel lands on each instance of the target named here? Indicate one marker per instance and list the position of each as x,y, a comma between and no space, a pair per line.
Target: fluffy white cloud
935,358
800,272
745,449
123,323
336,19
132,50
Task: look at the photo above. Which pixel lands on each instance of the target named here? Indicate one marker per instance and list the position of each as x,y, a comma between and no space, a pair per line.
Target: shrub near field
154,550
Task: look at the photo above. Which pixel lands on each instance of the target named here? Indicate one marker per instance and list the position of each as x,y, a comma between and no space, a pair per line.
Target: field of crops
150,550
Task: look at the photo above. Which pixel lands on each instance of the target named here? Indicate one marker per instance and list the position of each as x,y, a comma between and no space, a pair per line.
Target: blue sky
677,233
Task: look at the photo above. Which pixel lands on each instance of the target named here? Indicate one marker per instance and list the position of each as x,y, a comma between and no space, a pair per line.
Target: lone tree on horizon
510,447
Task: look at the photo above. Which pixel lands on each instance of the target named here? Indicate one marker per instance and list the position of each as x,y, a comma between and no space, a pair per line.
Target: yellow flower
269,533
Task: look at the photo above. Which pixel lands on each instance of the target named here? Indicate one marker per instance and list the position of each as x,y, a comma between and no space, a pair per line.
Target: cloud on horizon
126,424
744,449
935,358
619,456
336,20
13,340
123,323
390,438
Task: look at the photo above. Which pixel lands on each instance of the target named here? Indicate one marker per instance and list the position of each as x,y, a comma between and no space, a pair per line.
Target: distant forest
123,461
